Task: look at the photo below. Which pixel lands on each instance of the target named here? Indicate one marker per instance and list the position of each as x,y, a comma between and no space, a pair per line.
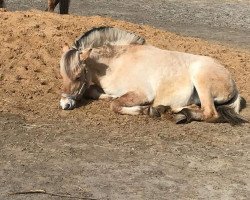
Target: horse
110,63
63,5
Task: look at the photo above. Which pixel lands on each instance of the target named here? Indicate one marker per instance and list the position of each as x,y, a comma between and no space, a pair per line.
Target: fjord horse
143,79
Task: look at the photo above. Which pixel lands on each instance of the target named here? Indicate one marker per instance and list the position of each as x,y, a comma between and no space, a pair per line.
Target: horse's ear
85,53
65,47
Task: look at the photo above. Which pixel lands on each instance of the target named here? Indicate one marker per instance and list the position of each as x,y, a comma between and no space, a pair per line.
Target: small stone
43,82
1,77
18,78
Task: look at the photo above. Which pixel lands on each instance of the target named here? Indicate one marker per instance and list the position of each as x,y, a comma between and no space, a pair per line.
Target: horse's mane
100,36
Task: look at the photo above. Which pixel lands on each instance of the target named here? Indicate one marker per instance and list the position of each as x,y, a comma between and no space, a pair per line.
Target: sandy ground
92,152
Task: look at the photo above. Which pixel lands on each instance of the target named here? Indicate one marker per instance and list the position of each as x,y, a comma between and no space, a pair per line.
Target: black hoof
183,117
163,109
180,119
153,112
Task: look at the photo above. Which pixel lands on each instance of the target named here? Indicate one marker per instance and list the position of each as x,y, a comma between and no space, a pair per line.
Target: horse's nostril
66,106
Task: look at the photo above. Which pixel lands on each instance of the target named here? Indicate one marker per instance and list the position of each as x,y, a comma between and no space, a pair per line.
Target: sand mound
31,48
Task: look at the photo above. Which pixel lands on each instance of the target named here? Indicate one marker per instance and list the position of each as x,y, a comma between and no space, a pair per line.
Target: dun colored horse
143,79
63,5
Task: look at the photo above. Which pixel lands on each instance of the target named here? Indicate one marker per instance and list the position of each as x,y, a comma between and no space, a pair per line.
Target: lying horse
145,79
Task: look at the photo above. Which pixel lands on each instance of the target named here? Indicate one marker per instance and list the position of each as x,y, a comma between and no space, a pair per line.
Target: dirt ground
92,152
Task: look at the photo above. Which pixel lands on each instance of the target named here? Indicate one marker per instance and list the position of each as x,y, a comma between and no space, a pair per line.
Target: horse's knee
115,106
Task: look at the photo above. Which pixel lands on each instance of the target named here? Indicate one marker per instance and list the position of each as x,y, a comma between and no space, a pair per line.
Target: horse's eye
78,78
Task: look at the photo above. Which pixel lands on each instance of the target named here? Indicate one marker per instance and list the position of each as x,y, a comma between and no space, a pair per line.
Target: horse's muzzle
67,103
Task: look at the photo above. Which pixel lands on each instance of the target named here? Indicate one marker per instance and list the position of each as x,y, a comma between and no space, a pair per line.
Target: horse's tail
64,6
229,112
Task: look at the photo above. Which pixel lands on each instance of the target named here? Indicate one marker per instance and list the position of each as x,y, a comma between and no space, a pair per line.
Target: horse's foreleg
131,103
96,93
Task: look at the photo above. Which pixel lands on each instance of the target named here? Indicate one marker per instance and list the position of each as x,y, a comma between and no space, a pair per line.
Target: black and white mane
100,36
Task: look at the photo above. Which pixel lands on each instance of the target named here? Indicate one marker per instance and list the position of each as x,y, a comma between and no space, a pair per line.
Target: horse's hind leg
52,4
64,6
202,81
187,114
131,103
208,111
1,3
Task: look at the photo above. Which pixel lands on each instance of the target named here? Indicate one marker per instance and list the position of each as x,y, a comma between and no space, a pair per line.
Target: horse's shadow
87,98
84,102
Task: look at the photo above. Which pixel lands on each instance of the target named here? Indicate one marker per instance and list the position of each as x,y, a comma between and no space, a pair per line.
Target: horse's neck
102,59
98,68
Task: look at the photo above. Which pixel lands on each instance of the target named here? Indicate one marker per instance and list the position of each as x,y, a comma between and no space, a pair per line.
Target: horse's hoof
180,119
153,112
163,109
183,117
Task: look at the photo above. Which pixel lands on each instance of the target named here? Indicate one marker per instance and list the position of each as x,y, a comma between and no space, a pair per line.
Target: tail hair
228,114
243,103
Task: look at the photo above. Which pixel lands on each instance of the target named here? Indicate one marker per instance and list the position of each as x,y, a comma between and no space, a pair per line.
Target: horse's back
179,72
154,71
168,77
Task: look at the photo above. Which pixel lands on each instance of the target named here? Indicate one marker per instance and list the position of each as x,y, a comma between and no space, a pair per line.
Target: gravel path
226,21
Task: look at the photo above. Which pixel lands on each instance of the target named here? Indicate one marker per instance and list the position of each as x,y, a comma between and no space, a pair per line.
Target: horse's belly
174,93
117,86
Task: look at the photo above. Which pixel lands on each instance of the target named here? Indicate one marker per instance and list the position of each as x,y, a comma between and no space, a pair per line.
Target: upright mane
100,36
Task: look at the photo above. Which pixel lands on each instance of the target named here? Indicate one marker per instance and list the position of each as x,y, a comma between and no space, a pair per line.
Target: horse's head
75,76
